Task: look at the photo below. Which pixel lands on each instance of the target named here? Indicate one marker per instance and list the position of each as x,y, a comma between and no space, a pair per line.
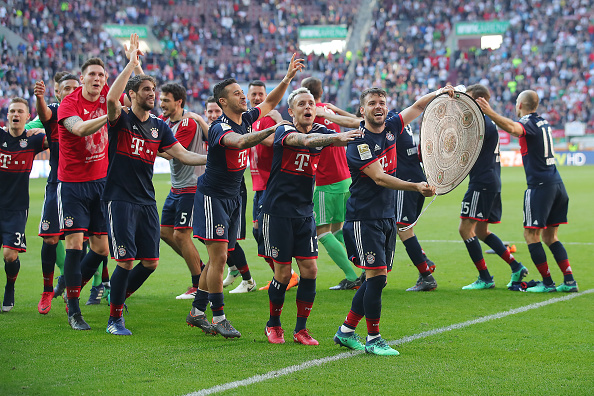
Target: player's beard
145,106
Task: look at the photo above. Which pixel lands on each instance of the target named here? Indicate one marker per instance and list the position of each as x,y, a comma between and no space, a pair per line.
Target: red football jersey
261,157
332,167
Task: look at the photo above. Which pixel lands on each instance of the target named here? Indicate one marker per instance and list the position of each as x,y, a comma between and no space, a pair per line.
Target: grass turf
542,351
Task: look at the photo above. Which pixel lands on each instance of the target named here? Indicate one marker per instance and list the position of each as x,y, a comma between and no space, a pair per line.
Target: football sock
117,295
138,276
306,294
12,269
105,271
476,255
96,278
195,280
200,300
237,258
415,252
499,248
539,257
372,302
338,254
216,305
357,310
276,296
339,236
89,265
72,279
60,256
48,262
562,260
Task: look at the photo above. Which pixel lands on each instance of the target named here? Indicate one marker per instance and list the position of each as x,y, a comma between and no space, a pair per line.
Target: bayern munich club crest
220,230
45,225
274,253
23,143
154,133
370,258
68,222
121,251
102,99
390,136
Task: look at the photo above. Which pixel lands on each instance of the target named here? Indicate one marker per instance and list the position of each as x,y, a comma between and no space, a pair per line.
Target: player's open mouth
379,114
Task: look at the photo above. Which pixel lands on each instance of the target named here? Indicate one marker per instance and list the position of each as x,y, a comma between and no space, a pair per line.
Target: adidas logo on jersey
85,111
4,144
377,148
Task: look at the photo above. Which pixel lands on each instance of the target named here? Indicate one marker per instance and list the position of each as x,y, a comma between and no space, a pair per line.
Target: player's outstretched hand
275,115
39,89
484,105
426,189
295,66
35,131
349,135
135,57
449,90
134,45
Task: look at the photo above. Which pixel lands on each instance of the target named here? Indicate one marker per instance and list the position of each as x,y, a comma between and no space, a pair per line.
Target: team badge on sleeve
364,151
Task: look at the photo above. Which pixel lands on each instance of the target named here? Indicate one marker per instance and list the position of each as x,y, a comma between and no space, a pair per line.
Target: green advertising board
122,31
323,32
481,28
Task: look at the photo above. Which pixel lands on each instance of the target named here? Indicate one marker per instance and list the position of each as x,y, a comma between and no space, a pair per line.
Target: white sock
217,319
371,338
196,311
345,329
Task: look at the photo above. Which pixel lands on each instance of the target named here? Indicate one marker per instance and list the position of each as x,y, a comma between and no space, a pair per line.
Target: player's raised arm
114,107
377,174
350,121
321,139
412,112
43,111
502,122
186,157
129,49
275,96
236,140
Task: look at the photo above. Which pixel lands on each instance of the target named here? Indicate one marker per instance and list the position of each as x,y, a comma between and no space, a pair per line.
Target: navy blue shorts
80,208
178,211
133,231
545,206
409,205
370,243
257,207
50,223
216,219
12,229
284,238
481,205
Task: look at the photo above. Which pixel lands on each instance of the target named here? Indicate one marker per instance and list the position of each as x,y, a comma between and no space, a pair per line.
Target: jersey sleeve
395,123
37,141
167,139
251,116
281,134
359,154
35,123
186,132
216,133
67,108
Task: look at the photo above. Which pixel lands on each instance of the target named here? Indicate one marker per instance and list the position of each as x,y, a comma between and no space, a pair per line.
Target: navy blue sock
306,294
495,243
372,302
276,295
237,258
12,271
119,284
415,252
48,263
200,300
357,305
195,280
256,233
539,257
476,255
138,275
216,304
89,265
72,275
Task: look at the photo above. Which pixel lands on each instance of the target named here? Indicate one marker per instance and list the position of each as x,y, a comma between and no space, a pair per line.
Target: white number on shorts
183,218
465,207
19,237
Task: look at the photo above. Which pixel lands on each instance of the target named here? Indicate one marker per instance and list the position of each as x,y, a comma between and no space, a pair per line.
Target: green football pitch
451,341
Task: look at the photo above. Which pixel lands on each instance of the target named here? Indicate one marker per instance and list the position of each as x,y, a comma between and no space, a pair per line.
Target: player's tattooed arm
321,139
236,140
78,127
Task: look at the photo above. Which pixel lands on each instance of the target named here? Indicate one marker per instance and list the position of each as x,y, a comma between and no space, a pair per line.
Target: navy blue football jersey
51,131
16,161
289,192
538,154
133,146
225,165
486,172
368,200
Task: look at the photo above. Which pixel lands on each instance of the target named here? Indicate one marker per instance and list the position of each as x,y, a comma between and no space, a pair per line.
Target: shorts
545,206
329,208
370,244
217,219
50,223
242,221
481,206
178,211
409,205
12,229
133,231
285,237
80,208
257,205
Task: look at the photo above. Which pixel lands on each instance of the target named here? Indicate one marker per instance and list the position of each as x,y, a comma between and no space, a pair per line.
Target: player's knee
51,240
165,234
181,237
152,264
10,255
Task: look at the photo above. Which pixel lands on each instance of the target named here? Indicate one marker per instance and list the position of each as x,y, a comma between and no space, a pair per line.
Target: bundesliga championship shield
452,135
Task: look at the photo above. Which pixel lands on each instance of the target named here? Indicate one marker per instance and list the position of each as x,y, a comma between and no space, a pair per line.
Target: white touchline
345,355
519,243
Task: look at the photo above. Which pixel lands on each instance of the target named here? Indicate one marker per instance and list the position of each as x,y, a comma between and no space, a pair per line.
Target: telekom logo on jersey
5,160
137,145
301,161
